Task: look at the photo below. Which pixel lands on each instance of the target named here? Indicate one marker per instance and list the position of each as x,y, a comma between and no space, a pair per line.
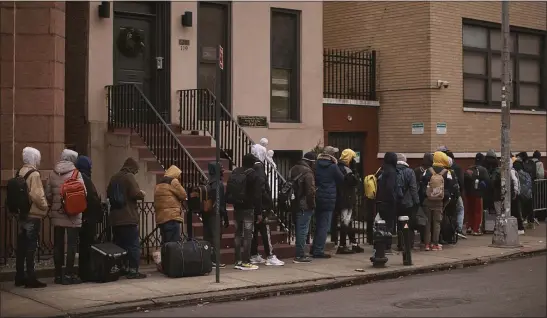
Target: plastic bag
157,260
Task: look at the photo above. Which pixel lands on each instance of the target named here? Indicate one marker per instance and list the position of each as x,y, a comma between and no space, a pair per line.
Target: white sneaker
521,232
257,259
274,261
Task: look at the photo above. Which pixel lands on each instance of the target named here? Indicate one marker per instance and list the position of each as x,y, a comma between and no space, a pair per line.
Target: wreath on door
130,42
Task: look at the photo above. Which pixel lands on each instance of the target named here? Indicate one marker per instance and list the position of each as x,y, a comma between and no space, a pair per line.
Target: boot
20,269
31,281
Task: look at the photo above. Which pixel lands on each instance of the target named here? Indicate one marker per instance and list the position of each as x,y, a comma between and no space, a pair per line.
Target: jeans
434,213
209,231
264,230
72,234
244,232
127,237
460,212
346,227
323,221
27,244
303,219
87,238
170,231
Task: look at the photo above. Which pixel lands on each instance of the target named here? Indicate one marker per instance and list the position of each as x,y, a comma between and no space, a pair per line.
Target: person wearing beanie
476,182
62,223
304,179
410,202
263,142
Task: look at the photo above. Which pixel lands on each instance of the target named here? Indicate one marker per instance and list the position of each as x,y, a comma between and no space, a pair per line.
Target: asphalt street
515,288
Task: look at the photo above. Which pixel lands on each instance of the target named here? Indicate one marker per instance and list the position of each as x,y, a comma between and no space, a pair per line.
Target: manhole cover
431,303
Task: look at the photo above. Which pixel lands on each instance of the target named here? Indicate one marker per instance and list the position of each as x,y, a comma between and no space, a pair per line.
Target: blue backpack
525,181
116,196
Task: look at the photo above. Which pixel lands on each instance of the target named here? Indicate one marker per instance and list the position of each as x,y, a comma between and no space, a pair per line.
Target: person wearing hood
327,177
209,218
525,197
408,206
432,208
263,142
476,181
515,202
492,198
304,177
124,215
459,192
29,227
91,216
345,201
168,197
261,227
63,223
386,201
540,170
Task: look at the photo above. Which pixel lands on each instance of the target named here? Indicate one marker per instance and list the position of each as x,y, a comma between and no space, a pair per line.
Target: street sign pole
218,93
505,230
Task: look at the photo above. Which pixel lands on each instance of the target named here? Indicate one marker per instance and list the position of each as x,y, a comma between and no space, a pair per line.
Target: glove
226,222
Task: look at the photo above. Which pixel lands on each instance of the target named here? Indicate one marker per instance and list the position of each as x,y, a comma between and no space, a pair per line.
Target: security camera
442,84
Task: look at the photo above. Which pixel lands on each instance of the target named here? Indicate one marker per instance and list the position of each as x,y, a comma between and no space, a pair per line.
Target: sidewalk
157,290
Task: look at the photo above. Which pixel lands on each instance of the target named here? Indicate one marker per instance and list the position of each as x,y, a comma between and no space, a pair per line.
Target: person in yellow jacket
168,197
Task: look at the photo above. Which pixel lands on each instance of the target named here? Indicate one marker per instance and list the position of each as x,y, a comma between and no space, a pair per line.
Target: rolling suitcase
187,258
489,221
107,260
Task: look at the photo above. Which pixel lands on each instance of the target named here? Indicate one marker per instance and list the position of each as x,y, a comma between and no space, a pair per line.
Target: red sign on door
221,57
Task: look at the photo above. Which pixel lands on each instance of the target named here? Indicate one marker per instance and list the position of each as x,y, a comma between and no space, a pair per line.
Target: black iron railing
129,108
349,74
197,113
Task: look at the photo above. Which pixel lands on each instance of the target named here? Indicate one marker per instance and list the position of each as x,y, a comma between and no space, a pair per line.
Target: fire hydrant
405,238
381,239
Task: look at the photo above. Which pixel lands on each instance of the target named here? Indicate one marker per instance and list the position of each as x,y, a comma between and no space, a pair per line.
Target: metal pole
505,230
218,80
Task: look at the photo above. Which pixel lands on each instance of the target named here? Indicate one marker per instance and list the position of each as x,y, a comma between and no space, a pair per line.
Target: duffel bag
187,258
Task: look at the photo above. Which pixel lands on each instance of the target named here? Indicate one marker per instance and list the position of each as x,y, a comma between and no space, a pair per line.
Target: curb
293,288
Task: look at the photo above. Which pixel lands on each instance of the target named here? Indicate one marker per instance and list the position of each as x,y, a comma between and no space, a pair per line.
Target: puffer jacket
411,197
305,192
168,197
31,160
327,177
129,214
61,172
346,192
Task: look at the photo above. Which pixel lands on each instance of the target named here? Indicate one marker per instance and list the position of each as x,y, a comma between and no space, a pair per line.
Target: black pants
388,213
334,233
264,230
516,212
27,244
527,209
189,228
127,237
87,238
411,213
209,220
72,234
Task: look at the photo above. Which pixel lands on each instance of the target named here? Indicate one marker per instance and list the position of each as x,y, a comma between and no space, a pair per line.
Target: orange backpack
73,195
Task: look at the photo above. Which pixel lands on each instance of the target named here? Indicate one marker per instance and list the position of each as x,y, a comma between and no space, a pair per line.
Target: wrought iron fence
349,74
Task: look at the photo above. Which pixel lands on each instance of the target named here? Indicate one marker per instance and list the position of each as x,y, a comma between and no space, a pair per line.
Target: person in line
408,206
345,201
427,162
209,218
63,223
476,182
246,213
261,227
515,202
525,198
327,178
168,198
304,201
540,170
90,217
386,201
459,192
29,227
123,193
433,207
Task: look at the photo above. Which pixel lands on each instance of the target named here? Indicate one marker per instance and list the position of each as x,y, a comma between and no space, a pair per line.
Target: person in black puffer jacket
386,203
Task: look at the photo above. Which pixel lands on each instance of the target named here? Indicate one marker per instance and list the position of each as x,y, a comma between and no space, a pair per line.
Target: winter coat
427,162
305,192
345,194
255,182
94,211
459,175
128,214
440,162
212,185
484,182
61,172
411,197
168,197
327,178
540,170
31,160
387,181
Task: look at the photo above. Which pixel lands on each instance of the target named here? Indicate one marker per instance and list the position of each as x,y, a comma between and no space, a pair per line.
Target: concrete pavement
159,291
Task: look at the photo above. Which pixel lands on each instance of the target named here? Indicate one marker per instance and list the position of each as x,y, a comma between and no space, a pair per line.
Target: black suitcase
107,260
187,258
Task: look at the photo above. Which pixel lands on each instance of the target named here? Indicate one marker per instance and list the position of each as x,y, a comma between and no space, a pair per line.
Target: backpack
400,185
18,199
371,185
435,187
525,184
116,196
73,195
287,194
530,168
471,178
200,199
236,187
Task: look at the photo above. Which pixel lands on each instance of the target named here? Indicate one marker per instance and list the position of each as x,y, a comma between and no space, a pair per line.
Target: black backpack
470,177
530,168
287,193
116,196
236,187
18,199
